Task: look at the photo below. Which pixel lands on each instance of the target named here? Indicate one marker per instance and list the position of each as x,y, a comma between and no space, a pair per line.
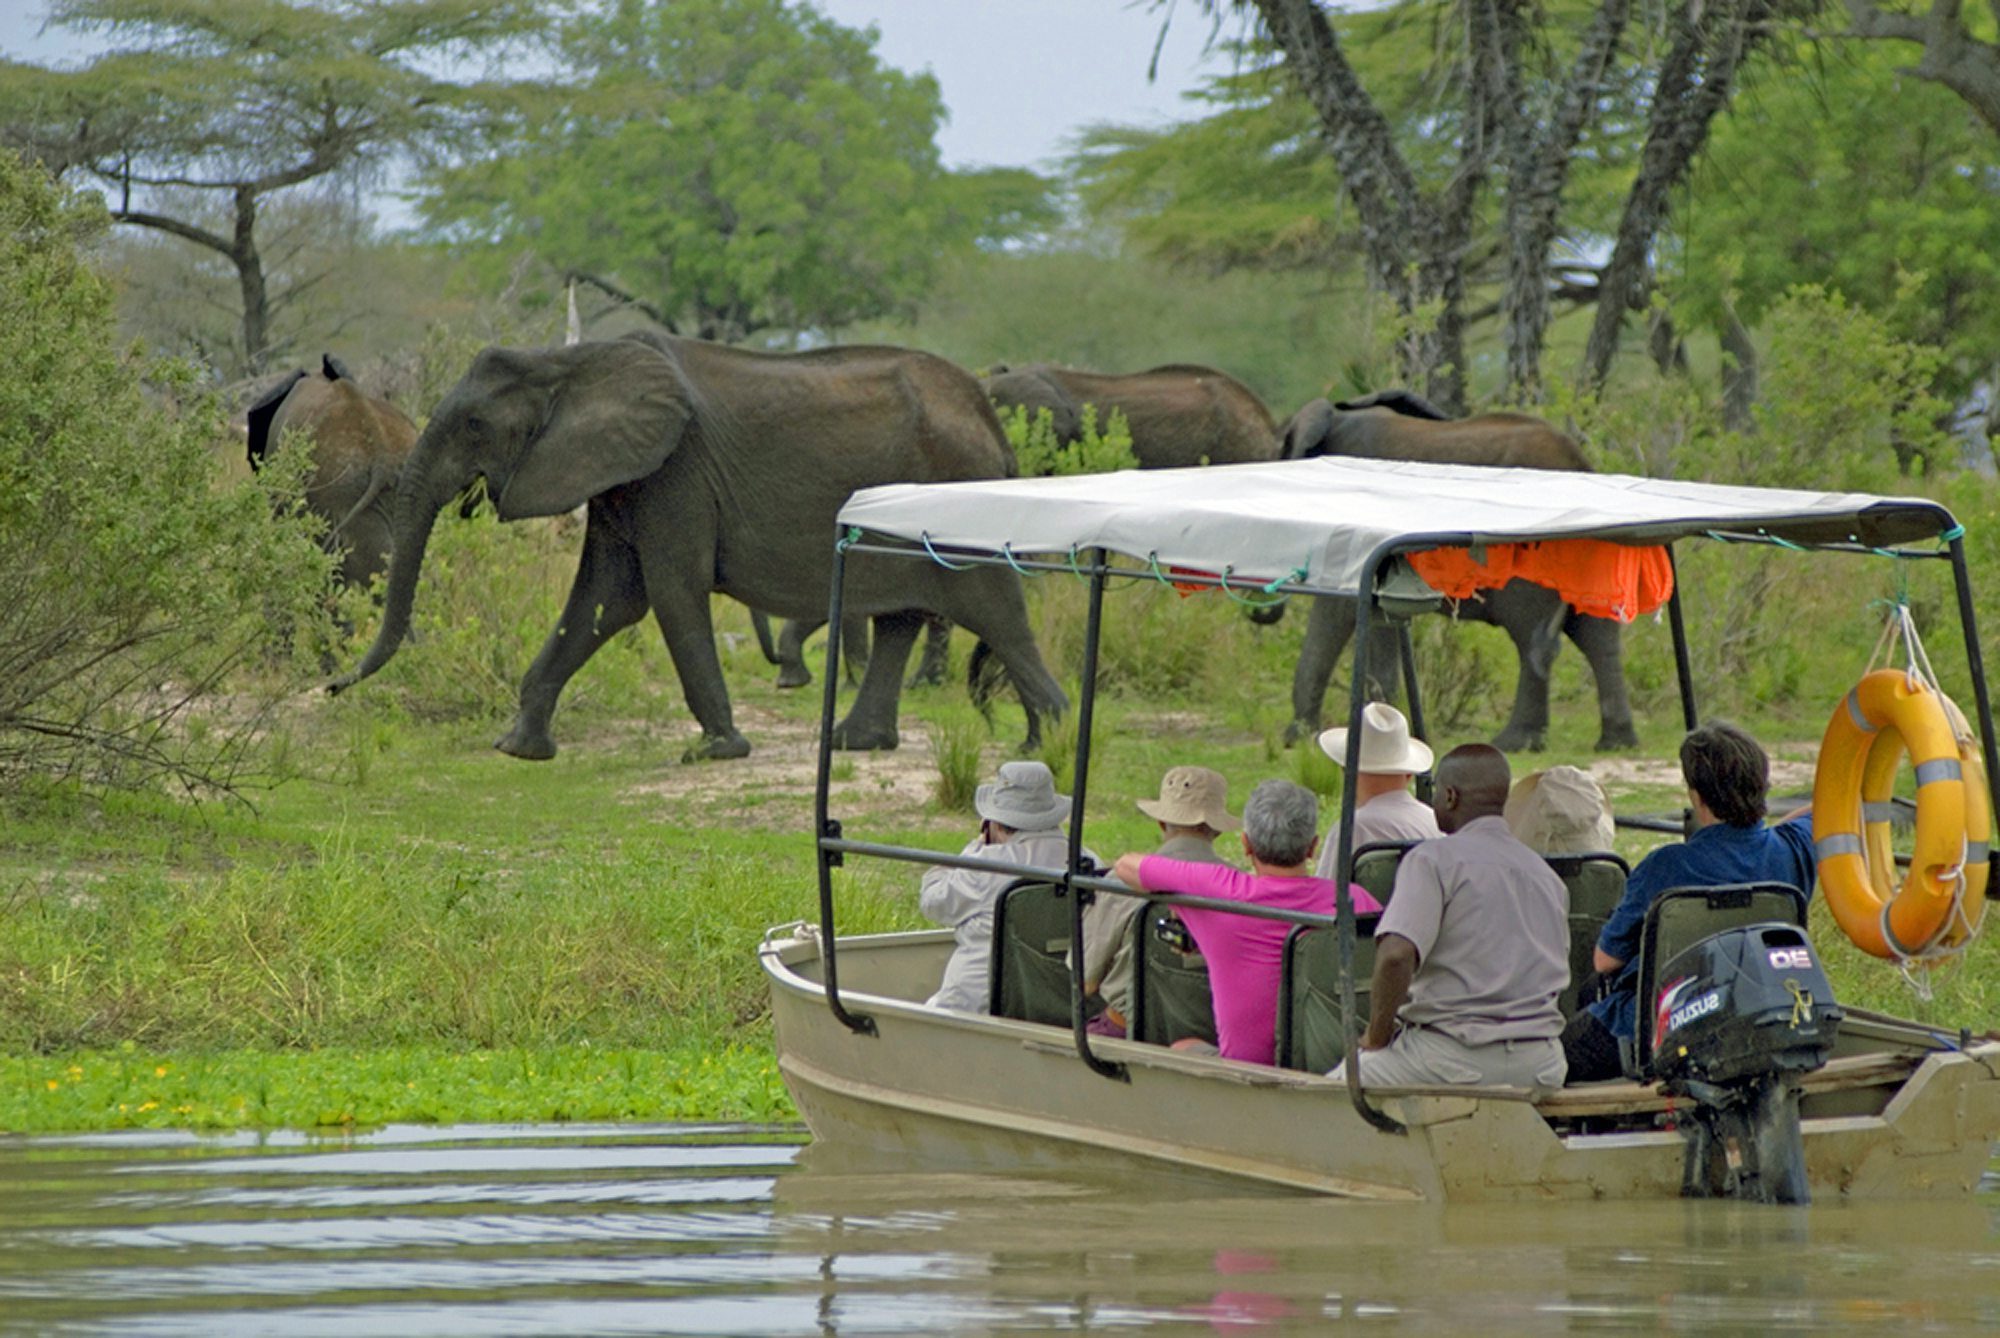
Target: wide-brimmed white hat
1024,798
1192,797
1386,744
1560,811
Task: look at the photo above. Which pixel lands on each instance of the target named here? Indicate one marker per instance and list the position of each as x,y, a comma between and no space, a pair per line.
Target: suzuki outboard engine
1738,1019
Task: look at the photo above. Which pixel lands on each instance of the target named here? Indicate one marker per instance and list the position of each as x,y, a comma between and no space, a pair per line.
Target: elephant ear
1306,435
258,416
333,368
1406,402
618,412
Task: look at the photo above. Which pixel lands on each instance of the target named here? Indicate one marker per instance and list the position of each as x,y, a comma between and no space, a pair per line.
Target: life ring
1937,909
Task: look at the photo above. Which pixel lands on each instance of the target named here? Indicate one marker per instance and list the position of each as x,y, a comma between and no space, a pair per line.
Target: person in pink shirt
1280,833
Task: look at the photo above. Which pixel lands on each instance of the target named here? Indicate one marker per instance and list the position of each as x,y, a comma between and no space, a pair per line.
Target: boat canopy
1316,523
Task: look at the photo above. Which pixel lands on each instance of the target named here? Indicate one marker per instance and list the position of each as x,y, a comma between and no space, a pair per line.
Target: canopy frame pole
826,828
1683,671
1079,785
1407,648
1343,902
1975,663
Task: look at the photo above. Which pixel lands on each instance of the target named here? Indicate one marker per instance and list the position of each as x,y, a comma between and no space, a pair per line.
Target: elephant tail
762,626
985,674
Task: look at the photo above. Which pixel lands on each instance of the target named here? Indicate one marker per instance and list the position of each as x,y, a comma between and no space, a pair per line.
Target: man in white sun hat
1021,818
1192,811
1384,808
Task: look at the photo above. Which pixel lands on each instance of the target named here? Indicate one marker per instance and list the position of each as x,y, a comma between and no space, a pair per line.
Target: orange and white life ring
1937,908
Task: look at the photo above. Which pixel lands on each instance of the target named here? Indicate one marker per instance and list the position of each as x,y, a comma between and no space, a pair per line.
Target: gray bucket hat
1024,798
1560,811
1192,797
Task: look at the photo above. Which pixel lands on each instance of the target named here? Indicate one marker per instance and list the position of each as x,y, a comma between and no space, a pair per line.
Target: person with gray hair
1280,833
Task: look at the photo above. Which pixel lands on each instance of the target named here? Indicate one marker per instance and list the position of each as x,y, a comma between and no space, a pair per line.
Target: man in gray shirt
1384,808
1472,950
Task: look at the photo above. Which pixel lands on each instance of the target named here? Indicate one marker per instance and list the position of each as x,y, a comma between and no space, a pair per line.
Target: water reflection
728,1230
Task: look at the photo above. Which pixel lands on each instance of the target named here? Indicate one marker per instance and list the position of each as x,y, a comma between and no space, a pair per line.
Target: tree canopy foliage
203,110
729,166
130,579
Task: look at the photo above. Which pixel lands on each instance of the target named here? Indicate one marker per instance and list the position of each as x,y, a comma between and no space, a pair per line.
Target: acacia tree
728,166
1953,56
1518,96
206,109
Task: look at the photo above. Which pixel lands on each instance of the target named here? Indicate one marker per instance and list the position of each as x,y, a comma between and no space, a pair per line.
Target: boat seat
1375,867
1171,1000
1596,883
1681,917
1311,1035
1030,966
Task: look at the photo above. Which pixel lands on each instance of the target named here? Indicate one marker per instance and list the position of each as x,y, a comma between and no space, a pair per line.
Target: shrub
957,738
1093,452
130,582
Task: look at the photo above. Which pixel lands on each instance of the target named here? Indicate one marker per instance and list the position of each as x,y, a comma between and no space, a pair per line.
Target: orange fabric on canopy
1594,576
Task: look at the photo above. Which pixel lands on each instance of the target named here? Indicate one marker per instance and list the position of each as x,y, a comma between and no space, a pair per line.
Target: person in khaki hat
1192,811
1384,808
1561,811
1020,822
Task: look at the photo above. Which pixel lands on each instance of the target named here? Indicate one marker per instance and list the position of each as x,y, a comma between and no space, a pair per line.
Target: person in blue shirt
1727,775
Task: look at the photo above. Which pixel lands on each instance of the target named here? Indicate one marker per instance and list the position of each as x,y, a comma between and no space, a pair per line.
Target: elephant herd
706,468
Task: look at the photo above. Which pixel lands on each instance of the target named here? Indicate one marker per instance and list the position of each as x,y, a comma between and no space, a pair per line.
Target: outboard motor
1738,1019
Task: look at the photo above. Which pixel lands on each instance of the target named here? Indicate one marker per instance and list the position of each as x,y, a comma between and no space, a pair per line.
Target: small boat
1878,1107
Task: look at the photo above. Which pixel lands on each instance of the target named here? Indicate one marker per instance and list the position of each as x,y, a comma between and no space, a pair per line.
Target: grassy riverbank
411,926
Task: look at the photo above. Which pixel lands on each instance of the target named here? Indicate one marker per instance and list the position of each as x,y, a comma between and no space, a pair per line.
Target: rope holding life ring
1937,909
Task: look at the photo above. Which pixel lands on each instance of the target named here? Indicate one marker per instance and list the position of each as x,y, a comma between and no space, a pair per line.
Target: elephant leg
937,651
1602,642
606,597
988,603
1329,627
871,722
1533,616
792,670
854,647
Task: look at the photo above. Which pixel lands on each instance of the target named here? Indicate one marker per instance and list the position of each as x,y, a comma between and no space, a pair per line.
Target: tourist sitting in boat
1561,811
1020,822
1473,949
1280,833
1384,808
1192,811
1728,777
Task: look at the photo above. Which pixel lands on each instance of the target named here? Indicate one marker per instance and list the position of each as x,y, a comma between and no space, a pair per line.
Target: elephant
1180,414
708,468
787,649
359,445
1399,425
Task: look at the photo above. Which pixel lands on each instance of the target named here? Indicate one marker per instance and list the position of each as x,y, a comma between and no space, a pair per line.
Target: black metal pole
1975,661
824,827
1407,649
1343,903
1683,667
1079,786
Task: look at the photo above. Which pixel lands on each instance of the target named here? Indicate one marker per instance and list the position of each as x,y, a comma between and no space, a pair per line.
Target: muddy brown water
733,1230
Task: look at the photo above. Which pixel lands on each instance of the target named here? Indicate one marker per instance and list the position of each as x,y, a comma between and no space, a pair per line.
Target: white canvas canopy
1324,517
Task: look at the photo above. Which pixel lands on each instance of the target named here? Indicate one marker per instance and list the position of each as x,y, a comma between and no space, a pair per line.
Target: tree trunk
1415,246
1697,78
249,264
1739,375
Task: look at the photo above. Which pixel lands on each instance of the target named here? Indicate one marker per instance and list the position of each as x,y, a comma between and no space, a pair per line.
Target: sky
1020,78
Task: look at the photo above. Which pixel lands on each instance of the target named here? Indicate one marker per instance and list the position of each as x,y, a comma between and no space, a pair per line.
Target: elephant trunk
417,505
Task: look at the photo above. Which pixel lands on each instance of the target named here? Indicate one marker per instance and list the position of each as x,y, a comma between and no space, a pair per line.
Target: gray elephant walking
359,445
1398,425
708,468
1180,415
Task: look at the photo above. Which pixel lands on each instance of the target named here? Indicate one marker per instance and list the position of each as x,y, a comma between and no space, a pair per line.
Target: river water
732,1230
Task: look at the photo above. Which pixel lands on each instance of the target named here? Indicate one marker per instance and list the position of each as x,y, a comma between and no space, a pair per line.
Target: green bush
1093,452
131,580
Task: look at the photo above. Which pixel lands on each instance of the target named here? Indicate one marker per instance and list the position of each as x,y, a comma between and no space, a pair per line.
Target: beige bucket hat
1560,811
1386,745
1191,797
1024,798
